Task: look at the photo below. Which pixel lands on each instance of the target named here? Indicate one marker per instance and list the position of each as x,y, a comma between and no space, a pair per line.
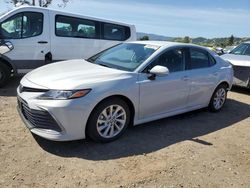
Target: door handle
42,42
215,73
185,78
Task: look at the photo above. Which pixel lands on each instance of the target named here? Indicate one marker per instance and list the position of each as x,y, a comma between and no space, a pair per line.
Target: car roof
167,44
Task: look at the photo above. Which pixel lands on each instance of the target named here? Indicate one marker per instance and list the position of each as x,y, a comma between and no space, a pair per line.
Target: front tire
4,74
109,120
218,99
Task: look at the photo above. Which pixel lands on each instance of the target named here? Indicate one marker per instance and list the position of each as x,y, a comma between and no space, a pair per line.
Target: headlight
62,95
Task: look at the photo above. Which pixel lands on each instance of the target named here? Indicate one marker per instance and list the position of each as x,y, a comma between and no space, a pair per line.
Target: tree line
41,3
215,42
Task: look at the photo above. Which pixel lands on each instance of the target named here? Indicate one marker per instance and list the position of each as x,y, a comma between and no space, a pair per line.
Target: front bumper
69,115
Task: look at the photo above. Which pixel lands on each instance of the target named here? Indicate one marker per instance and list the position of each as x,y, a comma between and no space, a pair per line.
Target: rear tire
109,120
218,99
5,73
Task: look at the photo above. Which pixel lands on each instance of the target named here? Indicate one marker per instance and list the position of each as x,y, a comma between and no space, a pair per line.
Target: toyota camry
128,84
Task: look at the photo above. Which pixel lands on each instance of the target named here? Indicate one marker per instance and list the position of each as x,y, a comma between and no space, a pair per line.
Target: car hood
237,60
72,74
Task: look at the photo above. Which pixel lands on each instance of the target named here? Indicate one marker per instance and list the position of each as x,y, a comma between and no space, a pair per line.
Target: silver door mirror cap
159,70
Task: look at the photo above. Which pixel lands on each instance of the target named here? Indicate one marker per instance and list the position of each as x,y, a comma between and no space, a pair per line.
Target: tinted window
242,49
115,32
198,59
28,24
32,24
173,60
211,60
75,27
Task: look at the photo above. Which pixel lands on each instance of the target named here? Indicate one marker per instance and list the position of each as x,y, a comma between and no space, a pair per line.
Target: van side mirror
6,47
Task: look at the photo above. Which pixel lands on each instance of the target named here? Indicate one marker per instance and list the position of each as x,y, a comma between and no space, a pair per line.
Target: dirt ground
197,149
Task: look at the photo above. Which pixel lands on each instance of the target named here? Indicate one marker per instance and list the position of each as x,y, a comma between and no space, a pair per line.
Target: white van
34,36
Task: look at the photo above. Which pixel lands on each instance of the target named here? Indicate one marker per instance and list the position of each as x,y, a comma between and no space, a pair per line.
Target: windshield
242,49
126,56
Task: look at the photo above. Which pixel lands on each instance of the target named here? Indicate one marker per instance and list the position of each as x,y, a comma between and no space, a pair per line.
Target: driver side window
172,59
22,25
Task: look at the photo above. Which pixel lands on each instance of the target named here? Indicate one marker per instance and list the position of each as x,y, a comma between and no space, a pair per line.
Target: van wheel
218,99
109,120
5,73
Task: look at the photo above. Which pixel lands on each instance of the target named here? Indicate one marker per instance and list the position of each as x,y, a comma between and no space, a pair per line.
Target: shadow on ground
148,137
242,90
154,136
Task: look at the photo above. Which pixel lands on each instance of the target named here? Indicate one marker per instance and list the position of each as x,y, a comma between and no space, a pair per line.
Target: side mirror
159,70
6,47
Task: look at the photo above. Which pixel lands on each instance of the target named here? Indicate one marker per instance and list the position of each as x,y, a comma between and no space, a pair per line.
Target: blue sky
194,18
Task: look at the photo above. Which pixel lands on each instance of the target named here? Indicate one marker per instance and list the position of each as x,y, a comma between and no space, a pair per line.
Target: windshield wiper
104,65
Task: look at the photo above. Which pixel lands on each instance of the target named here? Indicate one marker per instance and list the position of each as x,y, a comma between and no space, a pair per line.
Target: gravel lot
197,149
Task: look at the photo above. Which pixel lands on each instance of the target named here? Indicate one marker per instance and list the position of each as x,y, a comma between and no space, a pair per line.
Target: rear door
203,74
29,33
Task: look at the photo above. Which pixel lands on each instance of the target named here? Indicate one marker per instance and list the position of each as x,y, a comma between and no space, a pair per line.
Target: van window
23,25
115,32
75,27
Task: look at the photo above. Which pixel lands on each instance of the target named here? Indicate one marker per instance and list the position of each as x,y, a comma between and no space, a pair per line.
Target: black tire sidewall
5,74
91,129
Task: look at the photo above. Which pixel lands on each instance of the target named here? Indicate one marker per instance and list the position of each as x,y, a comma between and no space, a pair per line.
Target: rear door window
198,59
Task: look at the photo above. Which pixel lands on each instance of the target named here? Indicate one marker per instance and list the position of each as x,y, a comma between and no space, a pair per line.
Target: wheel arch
223,83
8,63
122,97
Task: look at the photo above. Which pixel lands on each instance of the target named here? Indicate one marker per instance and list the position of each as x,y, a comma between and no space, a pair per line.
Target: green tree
144,38
230,40
41,3
186,39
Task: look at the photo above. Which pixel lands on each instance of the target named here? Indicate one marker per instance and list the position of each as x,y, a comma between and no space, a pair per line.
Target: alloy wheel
219,98
111,121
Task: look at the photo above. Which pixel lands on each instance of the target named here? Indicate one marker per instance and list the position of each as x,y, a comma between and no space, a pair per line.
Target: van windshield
125,56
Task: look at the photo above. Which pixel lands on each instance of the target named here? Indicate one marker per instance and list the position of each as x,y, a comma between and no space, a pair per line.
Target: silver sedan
131,83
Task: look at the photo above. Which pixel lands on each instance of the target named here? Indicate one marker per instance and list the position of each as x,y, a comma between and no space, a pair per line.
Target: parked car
37,36
131,83
240,59
228,49
219,50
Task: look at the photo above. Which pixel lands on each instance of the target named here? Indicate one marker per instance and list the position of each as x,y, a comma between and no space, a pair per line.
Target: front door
29,33
167,93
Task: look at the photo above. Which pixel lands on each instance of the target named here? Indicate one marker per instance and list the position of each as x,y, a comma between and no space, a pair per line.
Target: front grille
38,118
29,89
